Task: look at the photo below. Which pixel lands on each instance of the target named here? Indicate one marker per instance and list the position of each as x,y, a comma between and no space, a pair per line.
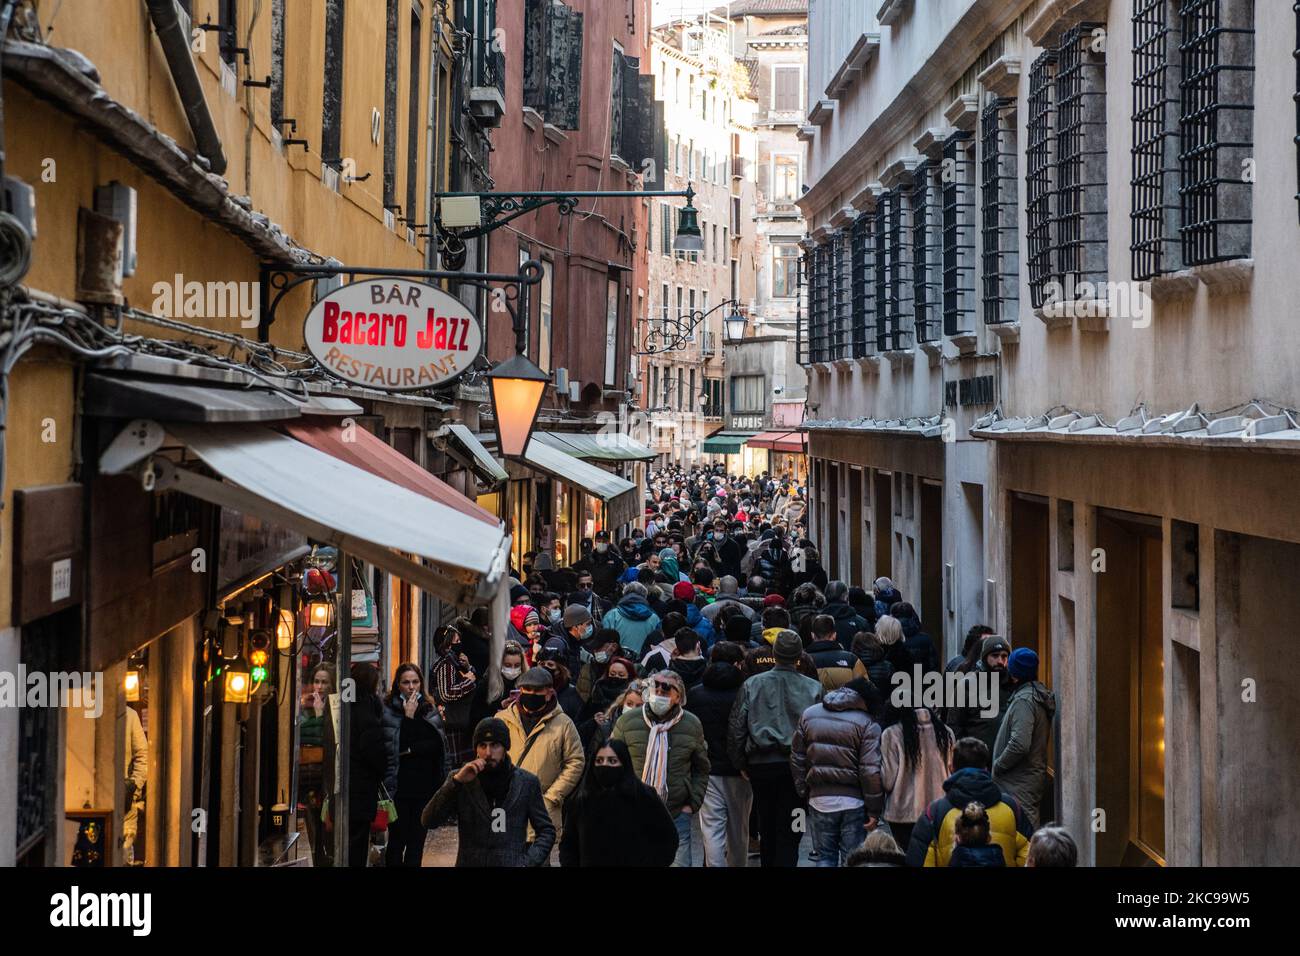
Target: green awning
725,443
602,446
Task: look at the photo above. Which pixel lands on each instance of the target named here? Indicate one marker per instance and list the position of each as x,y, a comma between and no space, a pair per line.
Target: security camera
778,390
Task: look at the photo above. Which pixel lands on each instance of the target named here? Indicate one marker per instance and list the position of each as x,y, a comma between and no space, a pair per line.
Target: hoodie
633,619
691,670
933,835
848,622
701,625
1020,751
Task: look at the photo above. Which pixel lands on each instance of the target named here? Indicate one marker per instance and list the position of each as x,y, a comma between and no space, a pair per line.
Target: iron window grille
958,234
801,311
999,220
1040,175
1218,67
880,272
861,295
925,300
1156,247
843,302
1081,219
821,308
897,313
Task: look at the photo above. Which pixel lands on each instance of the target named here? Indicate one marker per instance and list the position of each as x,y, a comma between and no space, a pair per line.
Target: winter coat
633,620
987,855
1009,828
372,763
836,751
613,828
604,568
712,701
969,722
919,645
482,840
554,754
570,702
603,693
690,669
911,789
834,664
1020,753
688,757
559,639
713,610
848,622
420,759
766,713
873,665
801,616
702,626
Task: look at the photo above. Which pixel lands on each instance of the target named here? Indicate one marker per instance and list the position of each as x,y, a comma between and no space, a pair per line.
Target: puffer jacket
834,664
712,702
848,622
634,621
766,713
836,751
1020,753
933,835
688,756
554,755
392,718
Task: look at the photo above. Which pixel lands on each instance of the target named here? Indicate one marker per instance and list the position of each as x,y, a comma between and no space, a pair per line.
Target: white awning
624,503
484,463
293,484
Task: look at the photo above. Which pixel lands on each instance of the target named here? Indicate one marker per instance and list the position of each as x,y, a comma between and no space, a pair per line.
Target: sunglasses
663,688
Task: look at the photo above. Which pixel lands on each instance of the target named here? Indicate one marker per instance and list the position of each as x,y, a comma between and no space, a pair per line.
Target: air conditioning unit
561,379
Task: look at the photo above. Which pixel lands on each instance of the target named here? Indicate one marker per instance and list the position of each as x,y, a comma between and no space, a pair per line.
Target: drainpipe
176,47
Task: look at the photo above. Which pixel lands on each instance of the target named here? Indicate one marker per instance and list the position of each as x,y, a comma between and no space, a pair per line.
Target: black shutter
537,16
658,139
617,105
564,68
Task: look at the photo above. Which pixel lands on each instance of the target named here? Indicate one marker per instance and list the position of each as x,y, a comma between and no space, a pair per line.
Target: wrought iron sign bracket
658,341
500,208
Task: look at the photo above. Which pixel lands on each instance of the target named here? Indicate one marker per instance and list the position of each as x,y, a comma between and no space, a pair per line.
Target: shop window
1000,214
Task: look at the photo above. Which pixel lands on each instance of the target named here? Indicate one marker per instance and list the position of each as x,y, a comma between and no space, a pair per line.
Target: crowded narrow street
717,435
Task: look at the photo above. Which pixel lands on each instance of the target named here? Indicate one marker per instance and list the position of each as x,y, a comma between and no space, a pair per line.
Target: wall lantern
517,387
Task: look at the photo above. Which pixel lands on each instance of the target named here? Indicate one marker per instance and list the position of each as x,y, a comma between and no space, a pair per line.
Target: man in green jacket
1020,753
669,753
761,729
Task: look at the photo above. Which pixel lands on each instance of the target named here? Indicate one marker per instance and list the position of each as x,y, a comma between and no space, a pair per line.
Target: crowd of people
704,677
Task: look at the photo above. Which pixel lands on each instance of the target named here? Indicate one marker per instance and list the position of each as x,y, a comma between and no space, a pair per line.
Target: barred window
897,313
821,303
999,227
1156,247
802,329
843,316
1216,128
1040,174
1081,219
862,296
958,234
879,274
925,254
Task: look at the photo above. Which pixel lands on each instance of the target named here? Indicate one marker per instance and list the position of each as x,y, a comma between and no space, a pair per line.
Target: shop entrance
931,608
884,525
855,527
1130,690
831,559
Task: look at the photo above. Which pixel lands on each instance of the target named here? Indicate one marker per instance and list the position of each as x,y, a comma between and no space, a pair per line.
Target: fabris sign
393,334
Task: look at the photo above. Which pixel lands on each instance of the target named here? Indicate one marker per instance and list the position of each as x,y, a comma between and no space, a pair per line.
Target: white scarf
655,771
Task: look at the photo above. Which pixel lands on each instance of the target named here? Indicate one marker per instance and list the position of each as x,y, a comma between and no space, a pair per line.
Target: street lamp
517,386
237,681
734,327
689,237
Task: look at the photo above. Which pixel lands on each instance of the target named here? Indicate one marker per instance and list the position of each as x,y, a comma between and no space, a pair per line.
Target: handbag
385,812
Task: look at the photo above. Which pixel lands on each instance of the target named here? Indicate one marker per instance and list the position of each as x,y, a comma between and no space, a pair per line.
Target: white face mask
660,704
510,673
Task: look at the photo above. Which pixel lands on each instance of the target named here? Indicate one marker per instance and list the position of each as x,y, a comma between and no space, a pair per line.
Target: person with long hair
453,680
314,784
914,764
370,762
614,819
413,733
596,729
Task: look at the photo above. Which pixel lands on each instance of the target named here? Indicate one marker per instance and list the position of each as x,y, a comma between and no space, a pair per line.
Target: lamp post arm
501,208
681,331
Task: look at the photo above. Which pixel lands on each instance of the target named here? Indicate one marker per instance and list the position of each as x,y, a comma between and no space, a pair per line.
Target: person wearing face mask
413,733
544,741
601,648
565,694
596,730
512,668
567,637
525,629
616,673
614,819
727,551
669,752
604,563
453,683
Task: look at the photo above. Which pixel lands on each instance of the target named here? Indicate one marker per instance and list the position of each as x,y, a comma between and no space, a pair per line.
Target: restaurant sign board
394,335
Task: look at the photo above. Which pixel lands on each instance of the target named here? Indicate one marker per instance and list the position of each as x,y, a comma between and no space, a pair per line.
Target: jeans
776,800
683,824
837,834
724,820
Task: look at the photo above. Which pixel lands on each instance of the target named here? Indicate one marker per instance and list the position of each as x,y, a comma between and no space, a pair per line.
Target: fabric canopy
484,463
791,442
332,500
359,447
619,494
604,446
118,396
726,442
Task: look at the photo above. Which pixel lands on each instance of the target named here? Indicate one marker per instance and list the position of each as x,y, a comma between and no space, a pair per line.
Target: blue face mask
555,614
586,632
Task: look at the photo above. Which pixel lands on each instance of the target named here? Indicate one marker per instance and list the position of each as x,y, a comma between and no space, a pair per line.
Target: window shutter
616,105
563,80
787,88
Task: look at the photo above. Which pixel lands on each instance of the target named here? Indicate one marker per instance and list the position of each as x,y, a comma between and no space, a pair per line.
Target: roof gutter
176,47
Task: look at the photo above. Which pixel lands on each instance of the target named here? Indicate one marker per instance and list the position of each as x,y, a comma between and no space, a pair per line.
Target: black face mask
532,702
607,776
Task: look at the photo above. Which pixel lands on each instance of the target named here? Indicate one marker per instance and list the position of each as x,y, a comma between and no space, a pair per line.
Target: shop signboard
393,335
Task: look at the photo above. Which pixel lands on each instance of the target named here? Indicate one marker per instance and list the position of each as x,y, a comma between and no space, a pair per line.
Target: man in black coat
724,816
848,622
604,563
494,802
726,548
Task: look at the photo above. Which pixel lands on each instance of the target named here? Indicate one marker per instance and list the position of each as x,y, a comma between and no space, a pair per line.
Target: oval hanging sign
393,334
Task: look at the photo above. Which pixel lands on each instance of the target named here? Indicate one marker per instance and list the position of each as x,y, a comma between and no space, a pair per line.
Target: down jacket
835,665
688,757
836,751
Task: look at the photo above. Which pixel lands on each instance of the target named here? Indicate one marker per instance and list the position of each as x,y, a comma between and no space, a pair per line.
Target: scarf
655,771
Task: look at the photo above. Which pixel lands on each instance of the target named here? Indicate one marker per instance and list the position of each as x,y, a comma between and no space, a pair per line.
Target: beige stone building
1050,336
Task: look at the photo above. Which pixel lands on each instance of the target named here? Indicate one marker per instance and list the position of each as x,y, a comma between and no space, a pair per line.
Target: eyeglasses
663,688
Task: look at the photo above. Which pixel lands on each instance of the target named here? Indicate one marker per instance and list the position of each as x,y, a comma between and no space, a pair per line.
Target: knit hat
518,593
492,730
684,591
788,647
1023,664
576,614
772,599
995,642
522,614
536,678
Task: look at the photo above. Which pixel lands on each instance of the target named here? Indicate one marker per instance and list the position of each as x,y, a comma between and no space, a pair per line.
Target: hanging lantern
238,682
285,627
517,386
